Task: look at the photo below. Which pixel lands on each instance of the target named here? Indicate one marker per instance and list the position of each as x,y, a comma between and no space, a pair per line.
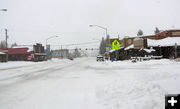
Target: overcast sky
31,21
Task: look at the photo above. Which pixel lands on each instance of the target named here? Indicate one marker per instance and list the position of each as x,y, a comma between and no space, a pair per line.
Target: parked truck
38,53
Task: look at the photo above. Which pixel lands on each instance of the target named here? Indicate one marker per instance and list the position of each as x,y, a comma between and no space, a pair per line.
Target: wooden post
175,50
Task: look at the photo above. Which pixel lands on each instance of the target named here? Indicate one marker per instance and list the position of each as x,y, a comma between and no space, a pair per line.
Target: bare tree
76,53
3,44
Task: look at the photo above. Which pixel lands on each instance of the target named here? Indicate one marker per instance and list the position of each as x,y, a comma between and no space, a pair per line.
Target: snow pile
86,84
30,48
140,85
133,95
149,50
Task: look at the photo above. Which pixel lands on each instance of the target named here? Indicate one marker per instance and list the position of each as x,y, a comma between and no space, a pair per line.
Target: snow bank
141,85
11,64
86,84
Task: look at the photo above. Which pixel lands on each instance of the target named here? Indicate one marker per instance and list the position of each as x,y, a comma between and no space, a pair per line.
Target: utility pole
6,38
61,52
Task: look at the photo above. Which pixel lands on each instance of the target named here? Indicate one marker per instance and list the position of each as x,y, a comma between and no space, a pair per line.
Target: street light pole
6,38
108,45
5,29
61,51
47,53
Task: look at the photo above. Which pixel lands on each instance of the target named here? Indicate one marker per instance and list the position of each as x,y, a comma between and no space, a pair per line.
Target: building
17,54
3,56
62,53
165,44
168,47
24,53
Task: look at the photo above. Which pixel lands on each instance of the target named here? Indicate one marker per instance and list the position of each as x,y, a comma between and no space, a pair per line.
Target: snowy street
87,84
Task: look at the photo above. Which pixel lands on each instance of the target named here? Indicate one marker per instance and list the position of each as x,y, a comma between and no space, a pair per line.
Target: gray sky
31,21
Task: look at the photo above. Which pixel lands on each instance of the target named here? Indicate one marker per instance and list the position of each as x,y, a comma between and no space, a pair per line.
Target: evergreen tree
102,48
108,41
156,31
140,33
13,45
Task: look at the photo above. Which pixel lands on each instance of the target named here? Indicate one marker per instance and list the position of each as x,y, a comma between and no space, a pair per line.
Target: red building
17,54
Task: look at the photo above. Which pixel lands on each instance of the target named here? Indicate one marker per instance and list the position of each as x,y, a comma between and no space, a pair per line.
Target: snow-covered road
87,84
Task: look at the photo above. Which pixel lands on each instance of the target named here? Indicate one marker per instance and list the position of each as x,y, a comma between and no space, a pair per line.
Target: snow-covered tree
13,45
156,31
108,41
140,33
102,48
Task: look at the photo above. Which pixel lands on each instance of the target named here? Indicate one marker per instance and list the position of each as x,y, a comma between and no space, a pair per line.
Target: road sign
115,45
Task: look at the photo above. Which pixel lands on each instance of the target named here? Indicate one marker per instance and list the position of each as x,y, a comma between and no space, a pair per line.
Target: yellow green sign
115,45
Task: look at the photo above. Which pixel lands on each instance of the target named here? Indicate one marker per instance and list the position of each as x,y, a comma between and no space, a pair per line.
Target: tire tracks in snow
33,75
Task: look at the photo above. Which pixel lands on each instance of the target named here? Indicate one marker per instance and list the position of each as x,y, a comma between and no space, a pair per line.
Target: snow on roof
169,41
2,53
30,48
129,47
112,50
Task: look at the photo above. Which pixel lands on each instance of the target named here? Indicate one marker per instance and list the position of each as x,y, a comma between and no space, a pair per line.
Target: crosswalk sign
115,45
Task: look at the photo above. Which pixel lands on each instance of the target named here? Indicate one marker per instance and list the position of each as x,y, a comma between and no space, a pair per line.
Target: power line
85,43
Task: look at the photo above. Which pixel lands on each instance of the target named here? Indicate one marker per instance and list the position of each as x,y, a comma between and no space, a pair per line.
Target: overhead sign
115,45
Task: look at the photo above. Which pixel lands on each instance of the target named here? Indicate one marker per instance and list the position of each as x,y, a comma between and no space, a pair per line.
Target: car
70,58
100,58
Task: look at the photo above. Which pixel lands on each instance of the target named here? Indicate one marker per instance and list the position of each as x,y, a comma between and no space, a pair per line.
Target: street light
3,9
108,45
48,53
50,38
99,27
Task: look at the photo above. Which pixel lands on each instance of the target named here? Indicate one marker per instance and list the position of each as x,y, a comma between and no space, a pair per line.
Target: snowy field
87,84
